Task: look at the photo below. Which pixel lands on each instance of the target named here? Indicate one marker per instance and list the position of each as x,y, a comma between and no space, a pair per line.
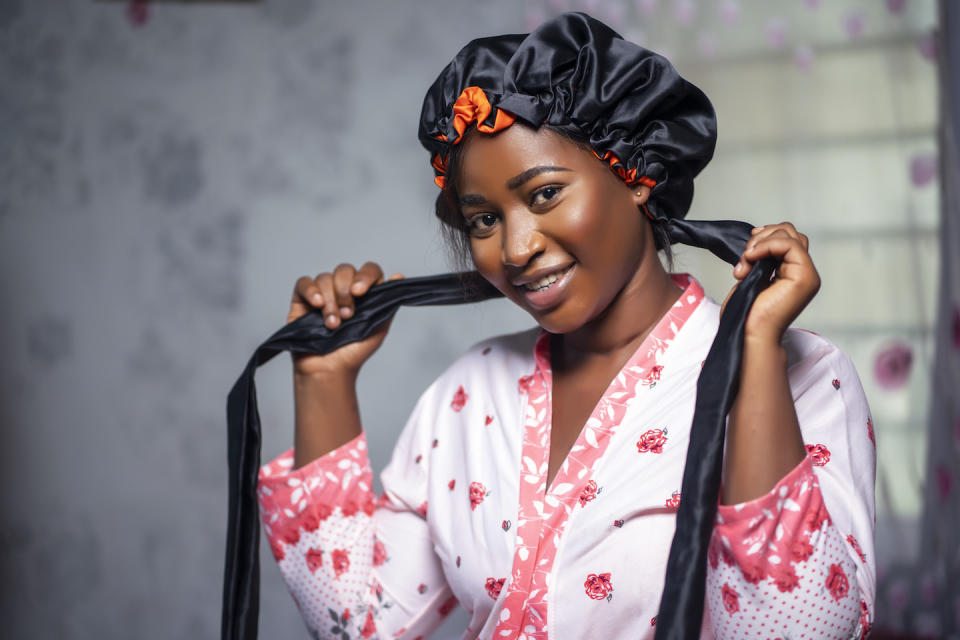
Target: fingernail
357,288
345,312
332,319
317,298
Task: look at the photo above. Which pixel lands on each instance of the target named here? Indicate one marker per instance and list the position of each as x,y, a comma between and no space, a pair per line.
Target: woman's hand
334,294
795,283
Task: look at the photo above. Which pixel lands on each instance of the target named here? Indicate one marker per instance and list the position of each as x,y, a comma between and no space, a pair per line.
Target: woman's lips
550,295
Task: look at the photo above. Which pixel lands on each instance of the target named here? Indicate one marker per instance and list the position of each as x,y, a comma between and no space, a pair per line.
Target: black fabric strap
681,608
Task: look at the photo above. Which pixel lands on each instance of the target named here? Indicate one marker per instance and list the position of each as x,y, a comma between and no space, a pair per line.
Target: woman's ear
640,195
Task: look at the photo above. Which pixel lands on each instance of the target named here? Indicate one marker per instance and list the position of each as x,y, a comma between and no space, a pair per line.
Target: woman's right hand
334,294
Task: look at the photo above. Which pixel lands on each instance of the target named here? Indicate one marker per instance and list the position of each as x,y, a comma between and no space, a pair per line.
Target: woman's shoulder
813,359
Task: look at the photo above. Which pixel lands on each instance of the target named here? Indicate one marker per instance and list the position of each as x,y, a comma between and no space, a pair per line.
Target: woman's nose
522,240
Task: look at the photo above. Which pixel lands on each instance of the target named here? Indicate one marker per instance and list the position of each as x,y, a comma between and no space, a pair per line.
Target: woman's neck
618,332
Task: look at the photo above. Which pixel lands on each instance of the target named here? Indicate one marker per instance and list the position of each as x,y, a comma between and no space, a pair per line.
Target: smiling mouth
545,282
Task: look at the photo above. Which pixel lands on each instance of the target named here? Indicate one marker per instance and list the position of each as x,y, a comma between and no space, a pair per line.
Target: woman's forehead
517,149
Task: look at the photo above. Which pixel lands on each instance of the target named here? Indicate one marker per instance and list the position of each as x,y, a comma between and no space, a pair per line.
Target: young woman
537,481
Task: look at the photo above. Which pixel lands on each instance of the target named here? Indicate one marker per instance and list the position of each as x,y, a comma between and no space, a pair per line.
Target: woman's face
550,225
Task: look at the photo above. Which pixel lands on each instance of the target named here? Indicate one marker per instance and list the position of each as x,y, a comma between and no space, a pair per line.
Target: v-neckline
544,511
642,362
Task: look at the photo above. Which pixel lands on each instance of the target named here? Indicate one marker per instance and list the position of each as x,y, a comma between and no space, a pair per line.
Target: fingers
334,293
758,247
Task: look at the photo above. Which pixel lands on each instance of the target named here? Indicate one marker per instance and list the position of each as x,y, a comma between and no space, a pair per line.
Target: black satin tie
681,607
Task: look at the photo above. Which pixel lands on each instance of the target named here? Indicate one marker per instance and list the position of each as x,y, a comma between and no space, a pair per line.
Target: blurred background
170,168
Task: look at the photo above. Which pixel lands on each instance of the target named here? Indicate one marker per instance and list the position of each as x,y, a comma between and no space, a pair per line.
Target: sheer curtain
828,118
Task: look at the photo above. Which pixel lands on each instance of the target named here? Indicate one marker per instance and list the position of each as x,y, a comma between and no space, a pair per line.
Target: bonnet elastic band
573,70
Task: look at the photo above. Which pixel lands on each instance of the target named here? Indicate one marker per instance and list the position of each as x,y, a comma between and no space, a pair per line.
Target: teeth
544,282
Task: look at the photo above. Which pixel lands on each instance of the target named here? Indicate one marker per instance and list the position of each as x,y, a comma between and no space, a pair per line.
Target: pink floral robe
466,517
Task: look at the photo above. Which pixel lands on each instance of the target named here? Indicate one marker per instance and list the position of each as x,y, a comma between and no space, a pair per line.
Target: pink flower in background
896,7
955,322
803,57
138,12
647,7
776,32
729,11
707,45
944,482
891,367
927,45
898,594
854,22
923,168
684,12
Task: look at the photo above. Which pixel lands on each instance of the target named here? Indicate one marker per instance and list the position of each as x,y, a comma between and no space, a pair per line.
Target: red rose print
485,351
349,508
310,522
277,550
523,384
323,511
458,562
422,509
652,440
314,559
653,621
292,535
418,458
494,587
377,589
369,507
487,420
815,519
452,484
599,586
477,493
369,627
379,553
422,588
856,547
801,550
731,599
753,573
786,580
589,493
673,502
652,376
505,525
837,583
447,606
341,562
864,619
819,454
836,384
870,432
618,523
459,399
435,442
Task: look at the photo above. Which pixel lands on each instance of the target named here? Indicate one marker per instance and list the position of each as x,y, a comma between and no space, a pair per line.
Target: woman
536,482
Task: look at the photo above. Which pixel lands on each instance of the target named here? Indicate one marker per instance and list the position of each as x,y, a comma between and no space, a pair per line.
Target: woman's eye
544,195
482,223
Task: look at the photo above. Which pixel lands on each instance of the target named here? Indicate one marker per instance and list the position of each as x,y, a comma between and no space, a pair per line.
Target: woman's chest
503,531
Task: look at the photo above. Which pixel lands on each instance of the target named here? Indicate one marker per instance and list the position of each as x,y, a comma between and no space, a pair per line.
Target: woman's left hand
795,283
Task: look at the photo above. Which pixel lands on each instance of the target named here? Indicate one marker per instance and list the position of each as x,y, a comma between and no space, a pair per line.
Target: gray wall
163,187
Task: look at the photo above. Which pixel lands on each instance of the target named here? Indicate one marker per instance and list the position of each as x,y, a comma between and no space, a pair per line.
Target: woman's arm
763,434
327,414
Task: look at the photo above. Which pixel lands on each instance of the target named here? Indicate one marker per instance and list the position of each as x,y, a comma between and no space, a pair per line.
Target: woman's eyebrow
468,199
531,173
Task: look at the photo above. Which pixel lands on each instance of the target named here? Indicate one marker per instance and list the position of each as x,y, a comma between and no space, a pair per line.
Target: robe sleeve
357,566
800,558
